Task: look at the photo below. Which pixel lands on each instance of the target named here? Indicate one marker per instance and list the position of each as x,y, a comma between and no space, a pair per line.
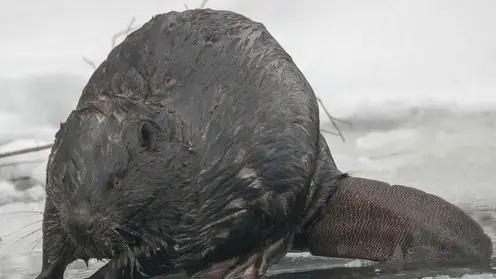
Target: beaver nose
81,223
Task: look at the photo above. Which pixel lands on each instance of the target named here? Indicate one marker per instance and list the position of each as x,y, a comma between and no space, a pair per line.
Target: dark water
322,268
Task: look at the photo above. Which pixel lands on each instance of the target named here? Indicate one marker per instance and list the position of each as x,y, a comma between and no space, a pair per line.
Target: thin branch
20,163
26,150
329,132
21,178
333,121
391,154
89,62
130,28
203,4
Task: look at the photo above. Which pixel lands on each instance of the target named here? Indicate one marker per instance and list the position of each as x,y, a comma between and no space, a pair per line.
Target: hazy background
417,79
351,51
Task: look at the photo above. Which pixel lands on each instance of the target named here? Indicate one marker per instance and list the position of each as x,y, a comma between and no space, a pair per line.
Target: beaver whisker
23,227
135,233
24,237
52,225
54,220
109,223
155,232
122,240
34,246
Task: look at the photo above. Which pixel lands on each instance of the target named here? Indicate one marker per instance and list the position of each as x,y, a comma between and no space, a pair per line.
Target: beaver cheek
63,222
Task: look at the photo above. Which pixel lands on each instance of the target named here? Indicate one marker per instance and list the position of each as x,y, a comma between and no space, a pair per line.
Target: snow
24,164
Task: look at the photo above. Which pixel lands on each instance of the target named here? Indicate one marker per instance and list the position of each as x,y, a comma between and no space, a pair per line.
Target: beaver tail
372,220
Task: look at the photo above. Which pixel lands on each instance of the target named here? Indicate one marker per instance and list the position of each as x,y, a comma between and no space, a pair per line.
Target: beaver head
112,181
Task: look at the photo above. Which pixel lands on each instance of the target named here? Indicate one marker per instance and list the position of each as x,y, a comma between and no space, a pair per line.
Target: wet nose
81,223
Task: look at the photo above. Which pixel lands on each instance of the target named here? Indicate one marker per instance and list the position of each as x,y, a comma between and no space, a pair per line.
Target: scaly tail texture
372,220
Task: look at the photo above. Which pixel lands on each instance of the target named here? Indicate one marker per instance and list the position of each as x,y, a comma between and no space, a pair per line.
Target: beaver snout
80,224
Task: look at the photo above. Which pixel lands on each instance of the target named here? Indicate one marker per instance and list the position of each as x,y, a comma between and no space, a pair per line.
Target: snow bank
399,138
31,110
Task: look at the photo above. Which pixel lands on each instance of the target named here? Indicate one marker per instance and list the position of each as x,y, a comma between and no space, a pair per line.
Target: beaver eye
117,182
147,137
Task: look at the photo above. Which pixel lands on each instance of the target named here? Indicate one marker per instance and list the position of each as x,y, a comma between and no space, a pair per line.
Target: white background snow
416,78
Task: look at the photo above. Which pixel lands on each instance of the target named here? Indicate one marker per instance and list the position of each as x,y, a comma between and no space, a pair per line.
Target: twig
203,4
391,154
124,32
130,28
333,121
26,150
20,163
89,62
21,178
329,132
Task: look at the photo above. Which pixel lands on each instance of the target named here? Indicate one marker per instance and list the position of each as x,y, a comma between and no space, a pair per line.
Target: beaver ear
147,136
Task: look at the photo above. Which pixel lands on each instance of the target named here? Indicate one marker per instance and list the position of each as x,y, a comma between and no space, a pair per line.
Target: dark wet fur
221,84
233,164
139,212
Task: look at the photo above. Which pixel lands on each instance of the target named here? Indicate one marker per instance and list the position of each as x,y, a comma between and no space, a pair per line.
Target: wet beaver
195,147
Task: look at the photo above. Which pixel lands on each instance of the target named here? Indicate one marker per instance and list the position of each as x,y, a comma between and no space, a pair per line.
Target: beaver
195,148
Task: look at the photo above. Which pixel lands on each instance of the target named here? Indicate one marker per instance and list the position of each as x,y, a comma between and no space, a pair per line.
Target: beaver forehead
90,169
93,126
88,148
90,134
